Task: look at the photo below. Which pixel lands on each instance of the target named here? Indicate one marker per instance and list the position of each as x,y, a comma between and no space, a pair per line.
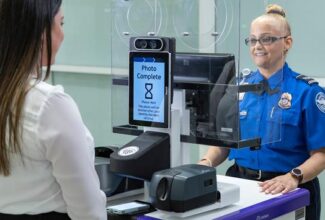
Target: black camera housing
148,44
152,44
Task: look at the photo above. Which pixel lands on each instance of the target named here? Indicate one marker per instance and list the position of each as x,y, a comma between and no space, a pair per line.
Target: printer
183,188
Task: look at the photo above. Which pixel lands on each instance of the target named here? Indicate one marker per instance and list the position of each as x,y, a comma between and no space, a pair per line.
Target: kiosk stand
159,147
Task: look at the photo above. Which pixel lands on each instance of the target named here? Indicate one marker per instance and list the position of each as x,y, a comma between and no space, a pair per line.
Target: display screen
149,92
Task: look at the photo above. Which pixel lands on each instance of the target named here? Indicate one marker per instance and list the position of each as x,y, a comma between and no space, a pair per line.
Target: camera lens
153,44
141,44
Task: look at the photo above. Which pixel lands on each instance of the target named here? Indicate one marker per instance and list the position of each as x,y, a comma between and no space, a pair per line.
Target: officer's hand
205,162
280,184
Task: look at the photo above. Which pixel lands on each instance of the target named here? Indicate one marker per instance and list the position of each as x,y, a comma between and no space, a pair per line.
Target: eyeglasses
265,40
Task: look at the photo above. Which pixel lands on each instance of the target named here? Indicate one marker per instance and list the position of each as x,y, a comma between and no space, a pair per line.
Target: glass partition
228,104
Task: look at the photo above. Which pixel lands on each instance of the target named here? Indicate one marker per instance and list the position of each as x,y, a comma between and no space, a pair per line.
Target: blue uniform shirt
290,121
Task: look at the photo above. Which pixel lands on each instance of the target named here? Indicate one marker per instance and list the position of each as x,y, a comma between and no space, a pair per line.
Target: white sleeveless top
56,171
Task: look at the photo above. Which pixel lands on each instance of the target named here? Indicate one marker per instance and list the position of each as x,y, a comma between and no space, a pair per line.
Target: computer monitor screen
205,77
203,67
149,89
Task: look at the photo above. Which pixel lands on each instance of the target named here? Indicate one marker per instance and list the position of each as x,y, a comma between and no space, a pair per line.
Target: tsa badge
242,94
285,101
320,101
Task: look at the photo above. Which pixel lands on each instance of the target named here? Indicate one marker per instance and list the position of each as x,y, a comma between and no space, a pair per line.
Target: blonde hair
277,12
275,9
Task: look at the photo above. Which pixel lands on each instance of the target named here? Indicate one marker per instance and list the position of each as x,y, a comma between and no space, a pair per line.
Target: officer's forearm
314,165
216,155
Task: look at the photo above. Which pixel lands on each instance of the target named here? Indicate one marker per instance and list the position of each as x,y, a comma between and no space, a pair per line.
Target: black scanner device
143,156
183,188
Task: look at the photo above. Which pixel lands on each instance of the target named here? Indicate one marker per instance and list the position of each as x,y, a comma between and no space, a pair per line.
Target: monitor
203,67
205,77
149,89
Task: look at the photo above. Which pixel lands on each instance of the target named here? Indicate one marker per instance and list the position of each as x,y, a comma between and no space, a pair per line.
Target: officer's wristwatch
297,174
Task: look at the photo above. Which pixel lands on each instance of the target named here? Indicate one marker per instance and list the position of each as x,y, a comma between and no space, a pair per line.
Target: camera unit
152,44
148,44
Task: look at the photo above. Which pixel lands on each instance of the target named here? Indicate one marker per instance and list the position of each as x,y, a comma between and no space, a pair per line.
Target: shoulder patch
320,101
307,79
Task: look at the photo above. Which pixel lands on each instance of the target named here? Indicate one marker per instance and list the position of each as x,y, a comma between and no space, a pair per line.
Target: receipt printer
183,188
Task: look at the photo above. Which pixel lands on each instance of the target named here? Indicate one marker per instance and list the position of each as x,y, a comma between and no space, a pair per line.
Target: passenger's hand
279,184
